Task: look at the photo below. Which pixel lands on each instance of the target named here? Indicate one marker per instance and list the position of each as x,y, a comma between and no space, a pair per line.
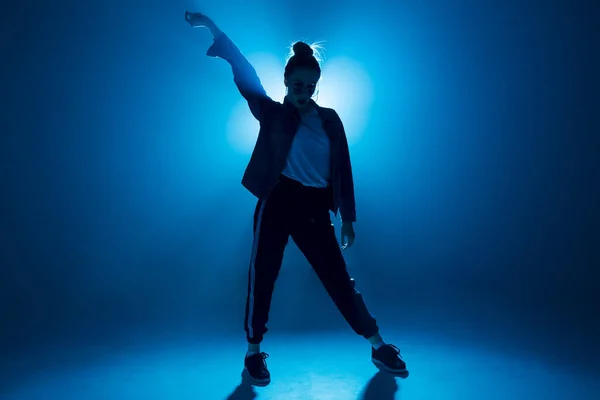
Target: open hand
197,19
348,235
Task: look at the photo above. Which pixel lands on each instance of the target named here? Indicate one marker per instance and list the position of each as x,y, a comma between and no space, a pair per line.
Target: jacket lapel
327,117
328,121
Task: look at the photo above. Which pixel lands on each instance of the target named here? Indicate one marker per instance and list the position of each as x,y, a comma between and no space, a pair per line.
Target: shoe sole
257,382
382,366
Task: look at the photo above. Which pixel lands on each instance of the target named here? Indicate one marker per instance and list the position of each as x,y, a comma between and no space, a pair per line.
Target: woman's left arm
348,202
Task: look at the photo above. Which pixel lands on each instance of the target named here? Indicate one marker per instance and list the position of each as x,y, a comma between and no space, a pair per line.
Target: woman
299,170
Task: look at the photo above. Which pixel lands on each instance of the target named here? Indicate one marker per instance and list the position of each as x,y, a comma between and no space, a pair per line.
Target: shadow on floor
382,386
243,391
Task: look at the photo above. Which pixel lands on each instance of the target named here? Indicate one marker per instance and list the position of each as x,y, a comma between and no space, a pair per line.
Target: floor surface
329,366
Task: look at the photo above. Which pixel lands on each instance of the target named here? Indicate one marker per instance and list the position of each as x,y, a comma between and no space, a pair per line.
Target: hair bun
302,49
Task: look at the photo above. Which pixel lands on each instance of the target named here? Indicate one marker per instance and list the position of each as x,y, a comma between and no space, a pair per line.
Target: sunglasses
299,88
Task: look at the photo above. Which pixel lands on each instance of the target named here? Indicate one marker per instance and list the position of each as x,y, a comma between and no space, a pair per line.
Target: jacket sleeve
348,202
244,74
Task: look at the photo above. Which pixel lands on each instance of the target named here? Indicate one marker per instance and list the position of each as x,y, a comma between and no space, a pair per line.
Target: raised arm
244,74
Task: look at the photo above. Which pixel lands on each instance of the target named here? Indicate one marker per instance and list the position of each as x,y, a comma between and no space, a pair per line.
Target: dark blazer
279,123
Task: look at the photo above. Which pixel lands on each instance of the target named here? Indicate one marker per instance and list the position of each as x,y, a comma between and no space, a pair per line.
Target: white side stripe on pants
252,271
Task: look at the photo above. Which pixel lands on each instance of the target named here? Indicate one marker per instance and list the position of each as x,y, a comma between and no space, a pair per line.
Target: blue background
476,169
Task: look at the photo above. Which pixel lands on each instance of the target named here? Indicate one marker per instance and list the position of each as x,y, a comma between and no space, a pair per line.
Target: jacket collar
324,113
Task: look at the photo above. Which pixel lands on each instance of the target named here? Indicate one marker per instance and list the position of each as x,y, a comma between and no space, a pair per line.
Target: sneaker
256,366
388,358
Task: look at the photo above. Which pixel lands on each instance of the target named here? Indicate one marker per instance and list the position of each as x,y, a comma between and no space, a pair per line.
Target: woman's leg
270,239
316,239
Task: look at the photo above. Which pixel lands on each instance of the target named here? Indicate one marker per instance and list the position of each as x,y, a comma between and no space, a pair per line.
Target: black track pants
301,212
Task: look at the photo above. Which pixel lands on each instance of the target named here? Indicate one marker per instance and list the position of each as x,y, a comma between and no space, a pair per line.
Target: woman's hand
348,235
198,20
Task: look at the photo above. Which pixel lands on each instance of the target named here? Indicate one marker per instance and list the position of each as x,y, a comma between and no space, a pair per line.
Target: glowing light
344,86
347,88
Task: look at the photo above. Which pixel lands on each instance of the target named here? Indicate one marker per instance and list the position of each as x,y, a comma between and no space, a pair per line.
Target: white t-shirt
309,159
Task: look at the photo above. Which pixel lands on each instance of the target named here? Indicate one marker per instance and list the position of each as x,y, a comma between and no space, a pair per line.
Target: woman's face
301,84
